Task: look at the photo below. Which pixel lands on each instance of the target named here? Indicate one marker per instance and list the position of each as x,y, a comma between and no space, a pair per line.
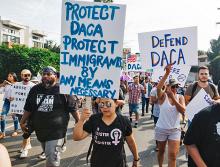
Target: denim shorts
53,149
133,107
167,134
5,108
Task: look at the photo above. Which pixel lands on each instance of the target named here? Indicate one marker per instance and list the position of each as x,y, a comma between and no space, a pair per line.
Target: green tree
21,57
52,46
214,58
214,50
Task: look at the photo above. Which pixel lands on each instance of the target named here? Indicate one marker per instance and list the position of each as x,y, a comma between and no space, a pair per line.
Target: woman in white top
167,128
7,84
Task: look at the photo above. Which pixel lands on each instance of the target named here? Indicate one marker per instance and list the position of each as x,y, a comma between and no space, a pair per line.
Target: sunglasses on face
47,73
106,104
174,86
26,75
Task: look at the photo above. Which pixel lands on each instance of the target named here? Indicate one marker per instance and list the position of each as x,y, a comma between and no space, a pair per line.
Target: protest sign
134,62
91,48
180,73
200,101
178,46
19,92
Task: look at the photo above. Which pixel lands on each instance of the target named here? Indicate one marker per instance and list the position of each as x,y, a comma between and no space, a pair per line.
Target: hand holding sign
86,113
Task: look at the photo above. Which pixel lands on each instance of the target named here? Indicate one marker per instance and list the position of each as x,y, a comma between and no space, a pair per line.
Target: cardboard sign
19,92
199,102
91,48
160,48
180,73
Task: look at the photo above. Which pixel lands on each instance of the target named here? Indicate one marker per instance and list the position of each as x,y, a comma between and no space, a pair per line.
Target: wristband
136,160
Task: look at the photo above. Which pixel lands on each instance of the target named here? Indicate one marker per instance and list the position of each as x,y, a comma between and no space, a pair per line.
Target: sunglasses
106,104
26,75
174,86
47,73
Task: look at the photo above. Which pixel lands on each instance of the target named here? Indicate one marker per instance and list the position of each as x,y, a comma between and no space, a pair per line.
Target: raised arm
163,80
78,132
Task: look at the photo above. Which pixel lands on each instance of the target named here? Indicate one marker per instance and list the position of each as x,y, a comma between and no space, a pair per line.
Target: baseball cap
173,82
49,69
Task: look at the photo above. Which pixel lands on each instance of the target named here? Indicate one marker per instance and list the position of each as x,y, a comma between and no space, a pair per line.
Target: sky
141,16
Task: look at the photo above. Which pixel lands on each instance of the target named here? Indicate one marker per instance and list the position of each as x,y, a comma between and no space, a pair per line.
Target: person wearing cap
25,77
49,112
134,91
167,128
35,80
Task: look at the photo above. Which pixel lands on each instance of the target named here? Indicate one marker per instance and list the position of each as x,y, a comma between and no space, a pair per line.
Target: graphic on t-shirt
47,104
108,139
116,136
218,128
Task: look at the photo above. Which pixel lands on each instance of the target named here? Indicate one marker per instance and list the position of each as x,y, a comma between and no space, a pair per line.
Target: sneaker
2,136
42,156
142,115
14,134
136,125
28,147
24,154
63,149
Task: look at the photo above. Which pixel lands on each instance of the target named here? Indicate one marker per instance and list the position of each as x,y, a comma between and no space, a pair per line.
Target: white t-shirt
156,109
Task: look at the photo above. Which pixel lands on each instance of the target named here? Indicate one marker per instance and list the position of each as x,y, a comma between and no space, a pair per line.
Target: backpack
122,123
195,87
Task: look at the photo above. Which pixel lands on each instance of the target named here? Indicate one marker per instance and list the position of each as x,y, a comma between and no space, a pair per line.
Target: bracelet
136,160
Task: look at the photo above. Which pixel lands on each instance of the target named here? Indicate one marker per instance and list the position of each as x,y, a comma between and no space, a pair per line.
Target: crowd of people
106,122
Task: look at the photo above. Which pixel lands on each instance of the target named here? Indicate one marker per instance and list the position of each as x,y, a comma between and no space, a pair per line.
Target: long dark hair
14,76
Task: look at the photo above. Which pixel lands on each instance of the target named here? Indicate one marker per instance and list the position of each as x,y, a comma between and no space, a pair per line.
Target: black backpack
195,87
122,123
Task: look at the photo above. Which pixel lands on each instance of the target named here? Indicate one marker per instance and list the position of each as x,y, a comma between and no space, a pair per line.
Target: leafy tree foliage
21,57
214,57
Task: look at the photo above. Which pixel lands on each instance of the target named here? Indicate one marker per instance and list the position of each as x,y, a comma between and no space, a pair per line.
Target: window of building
10,38
37,44
36,37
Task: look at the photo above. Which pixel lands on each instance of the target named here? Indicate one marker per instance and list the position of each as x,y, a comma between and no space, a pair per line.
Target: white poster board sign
159,48
200,101
19,92
180,73
91,48
134,63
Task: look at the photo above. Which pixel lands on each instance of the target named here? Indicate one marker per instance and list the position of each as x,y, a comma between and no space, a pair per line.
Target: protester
194,88
155,104
7,84
26,144
4,158
155,107
135,89
49,112
146,95
109,130
202,139
167,128
35,80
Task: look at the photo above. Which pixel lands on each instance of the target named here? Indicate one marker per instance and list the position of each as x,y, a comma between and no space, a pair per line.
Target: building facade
15,33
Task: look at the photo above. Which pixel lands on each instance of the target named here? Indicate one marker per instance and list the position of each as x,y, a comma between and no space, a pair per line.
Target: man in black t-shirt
49,111
109,131
202,139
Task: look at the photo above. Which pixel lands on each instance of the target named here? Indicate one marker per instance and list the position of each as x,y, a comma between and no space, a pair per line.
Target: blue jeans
145,101
5,110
